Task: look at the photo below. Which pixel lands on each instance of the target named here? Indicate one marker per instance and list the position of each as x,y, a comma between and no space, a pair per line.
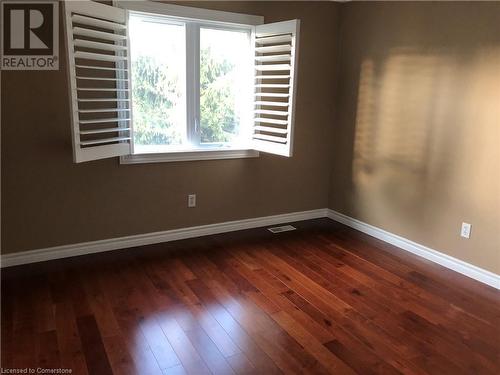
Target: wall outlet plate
192,200
465,231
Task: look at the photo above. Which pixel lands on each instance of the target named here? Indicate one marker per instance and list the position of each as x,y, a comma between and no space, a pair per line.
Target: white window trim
205,16
190,13
191,155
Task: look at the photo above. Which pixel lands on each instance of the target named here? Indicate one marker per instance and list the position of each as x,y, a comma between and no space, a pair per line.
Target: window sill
193,155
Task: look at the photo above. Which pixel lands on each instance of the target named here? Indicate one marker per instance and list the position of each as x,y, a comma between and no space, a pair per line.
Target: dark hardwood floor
322,299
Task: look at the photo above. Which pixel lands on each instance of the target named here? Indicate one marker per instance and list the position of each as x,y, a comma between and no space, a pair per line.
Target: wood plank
186,352
256,356
284,304
331,362
213,329
48,350
129,323
24,325
175,370
93,347
136,298
241,365
119,358
68,338
288,355
6,317
210,354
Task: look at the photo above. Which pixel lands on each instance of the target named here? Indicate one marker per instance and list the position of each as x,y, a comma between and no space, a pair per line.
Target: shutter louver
99,67
276,48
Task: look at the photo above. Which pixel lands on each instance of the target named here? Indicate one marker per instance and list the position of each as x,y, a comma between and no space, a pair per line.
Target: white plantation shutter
276,55
98,64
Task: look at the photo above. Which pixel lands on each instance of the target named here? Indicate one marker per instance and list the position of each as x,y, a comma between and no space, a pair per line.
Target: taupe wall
416,148
47,200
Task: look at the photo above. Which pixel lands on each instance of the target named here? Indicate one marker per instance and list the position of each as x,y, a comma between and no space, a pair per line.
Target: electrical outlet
465,232
192,200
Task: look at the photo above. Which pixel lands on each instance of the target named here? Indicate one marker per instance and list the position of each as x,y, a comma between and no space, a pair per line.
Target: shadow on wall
425,140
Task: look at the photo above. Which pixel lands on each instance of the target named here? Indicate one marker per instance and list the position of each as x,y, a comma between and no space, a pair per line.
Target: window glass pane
225,78
158,80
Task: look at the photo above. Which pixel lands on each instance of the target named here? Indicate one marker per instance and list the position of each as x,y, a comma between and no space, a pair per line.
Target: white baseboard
65,251
435,256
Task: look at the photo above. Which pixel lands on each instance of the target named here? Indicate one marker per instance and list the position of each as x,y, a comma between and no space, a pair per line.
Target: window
159,82
225,87
219,110
157,51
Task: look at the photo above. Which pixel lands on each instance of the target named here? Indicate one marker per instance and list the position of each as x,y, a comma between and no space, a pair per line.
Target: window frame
194,19
194,126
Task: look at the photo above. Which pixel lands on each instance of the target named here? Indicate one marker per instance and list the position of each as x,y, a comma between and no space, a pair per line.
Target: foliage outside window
159,85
